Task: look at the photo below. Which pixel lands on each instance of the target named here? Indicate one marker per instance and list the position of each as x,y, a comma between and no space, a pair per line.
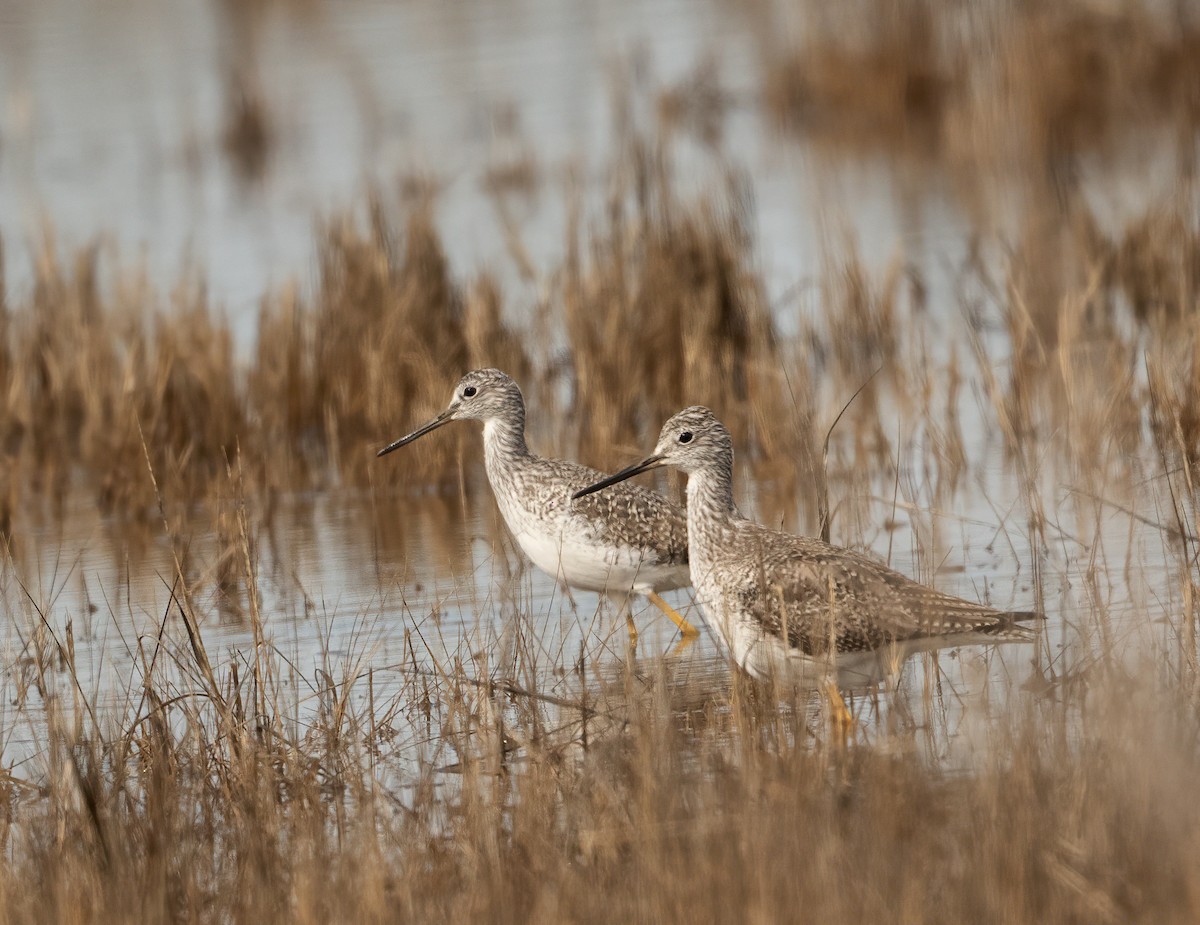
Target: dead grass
231,786
223,791
867,72
1019,88
250,133
659,303
662,308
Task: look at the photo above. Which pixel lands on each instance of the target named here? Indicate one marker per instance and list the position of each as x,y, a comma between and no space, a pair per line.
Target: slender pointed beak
650,462
444,418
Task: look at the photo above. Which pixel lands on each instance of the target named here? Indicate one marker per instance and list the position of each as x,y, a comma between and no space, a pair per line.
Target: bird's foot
841,721
689,631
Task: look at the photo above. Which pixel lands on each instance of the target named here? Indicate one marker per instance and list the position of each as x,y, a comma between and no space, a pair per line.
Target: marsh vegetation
252,673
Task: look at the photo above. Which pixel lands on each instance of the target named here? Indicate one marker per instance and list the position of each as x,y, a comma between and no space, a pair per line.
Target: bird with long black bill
632,539
794,607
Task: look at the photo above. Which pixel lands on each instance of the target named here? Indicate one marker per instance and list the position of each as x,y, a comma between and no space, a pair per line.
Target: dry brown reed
659,297
998,86
1081,309
103,383
660,303
663,306
698,103
385,334
223,792
863,73
231,787
111,378
250,134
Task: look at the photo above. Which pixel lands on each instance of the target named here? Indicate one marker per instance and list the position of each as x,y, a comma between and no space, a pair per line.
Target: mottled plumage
794,604
630,540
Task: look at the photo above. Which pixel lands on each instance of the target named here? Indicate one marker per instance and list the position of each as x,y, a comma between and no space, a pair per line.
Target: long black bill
650,462
443,418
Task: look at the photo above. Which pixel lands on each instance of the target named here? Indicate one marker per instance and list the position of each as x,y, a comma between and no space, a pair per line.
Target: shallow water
388,593
112,123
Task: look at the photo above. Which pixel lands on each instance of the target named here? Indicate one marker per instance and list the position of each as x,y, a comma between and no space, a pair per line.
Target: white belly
765,657
556,548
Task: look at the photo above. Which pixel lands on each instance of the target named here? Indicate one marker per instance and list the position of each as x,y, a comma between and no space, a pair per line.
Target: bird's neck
710,507
504,439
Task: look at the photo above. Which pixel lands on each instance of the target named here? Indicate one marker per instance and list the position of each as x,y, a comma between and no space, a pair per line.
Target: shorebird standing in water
631,539
793,607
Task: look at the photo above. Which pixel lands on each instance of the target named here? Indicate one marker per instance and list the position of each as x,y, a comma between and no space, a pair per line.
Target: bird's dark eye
685,437
469,391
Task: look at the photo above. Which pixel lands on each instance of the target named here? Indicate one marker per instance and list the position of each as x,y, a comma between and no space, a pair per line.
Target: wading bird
794,607
632,539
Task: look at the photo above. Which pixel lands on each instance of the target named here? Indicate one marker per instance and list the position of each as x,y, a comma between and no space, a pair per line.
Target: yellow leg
689,631
629,624
840,718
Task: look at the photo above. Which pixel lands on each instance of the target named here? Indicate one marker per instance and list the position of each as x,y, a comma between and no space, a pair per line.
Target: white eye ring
469,392
685,437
